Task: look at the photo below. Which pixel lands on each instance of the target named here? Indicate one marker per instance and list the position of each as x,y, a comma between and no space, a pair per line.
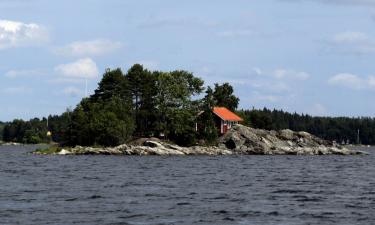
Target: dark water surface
185,190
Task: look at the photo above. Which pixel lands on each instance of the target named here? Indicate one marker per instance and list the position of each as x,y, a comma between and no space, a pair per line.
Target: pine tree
206,121
223,95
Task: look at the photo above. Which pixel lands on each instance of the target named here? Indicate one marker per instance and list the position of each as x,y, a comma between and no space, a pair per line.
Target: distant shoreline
240,140
10,143
2,143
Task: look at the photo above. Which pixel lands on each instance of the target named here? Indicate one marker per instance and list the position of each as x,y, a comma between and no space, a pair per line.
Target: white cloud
276,87
64,80
205,71
23,73
260,86
371,81
352,42
264,86
352,81
149,64
168,22
89,48
18,34
84,68
317,109
339,2
347,80
279,81
73,91
258,71
261,97
290,74
350,37
236,33
16,90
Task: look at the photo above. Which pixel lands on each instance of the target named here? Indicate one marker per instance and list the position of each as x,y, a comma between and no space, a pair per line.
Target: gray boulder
246,140
239,140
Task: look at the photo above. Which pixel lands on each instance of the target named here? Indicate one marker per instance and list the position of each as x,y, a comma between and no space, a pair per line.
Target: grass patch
48,151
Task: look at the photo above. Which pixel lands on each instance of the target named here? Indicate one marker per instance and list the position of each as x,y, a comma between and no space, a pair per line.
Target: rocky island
239,140
170,104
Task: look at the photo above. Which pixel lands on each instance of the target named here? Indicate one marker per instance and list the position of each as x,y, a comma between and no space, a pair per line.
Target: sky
304,56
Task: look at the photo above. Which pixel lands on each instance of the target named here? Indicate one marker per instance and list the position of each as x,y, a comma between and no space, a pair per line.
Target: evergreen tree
146,113
175,91
176,109
2,125
106,123
340,129
134,77
142,84
112,84
223,95
208,130
106,118
166,102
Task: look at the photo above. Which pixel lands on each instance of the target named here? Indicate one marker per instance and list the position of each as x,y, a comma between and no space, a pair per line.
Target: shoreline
240,140
10,144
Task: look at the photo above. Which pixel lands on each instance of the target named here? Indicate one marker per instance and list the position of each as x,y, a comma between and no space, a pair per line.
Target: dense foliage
2,125
223,96
340,129
142,103
33,131
208,132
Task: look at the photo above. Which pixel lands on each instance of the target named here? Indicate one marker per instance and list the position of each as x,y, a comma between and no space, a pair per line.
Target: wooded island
143,103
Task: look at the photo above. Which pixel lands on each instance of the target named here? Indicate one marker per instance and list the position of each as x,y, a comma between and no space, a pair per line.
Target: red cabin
225,119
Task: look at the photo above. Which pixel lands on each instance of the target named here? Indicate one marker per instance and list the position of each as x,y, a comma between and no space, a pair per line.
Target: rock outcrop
10,144
246,140
239,140
148,147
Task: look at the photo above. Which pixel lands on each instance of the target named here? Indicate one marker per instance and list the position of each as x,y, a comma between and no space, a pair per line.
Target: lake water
185,190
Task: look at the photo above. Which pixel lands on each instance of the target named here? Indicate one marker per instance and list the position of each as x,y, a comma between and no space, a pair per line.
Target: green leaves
28,132
2,125
207,129
106,123
142,102
142,84
136,104
112,84
176,109
223,95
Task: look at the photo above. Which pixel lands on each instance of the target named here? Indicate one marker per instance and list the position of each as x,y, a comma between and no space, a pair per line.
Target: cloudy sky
306,56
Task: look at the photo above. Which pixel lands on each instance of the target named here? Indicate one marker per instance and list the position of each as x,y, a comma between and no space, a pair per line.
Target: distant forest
339,129
2,125
142,103
125,106
330,128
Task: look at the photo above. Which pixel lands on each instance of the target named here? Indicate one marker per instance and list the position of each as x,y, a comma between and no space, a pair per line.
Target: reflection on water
185,190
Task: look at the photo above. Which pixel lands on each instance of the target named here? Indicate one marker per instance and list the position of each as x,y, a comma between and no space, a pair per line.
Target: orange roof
226,114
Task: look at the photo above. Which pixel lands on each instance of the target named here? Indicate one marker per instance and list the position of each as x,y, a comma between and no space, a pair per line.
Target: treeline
143,103
33,131
139,103
340,129
2,125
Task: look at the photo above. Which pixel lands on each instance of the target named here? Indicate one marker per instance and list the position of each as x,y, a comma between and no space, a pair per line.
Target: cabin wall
219,123
226,125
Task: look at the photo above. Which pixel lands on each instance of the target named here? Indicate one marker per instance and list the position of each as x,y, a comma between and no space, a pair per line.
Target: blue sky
306,56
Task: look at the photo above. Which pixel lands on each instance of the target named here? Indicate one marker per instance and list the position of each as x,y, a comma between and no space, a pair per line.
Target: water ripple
256,190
